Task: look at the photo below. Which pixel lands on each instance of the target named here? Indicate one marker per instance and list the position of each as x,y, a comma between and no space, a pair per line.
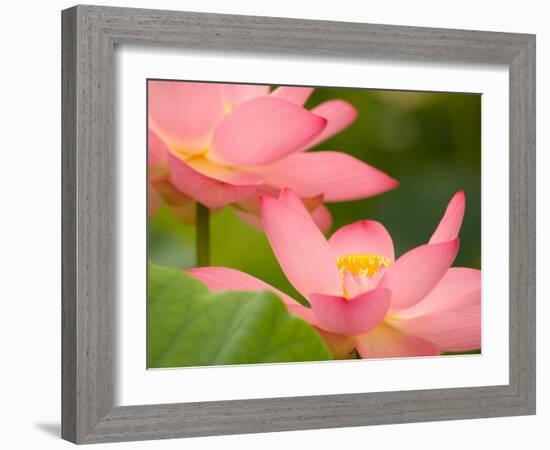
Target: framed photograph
278,224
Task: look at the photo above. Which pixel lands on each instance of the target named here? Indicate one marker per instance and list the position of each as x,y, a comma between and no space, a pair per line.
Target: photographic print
298,224
312,212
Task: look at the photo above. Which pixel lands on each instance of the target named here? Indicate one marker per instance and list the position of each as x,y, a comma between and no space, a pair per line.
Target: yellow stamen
186,155
228,106
360,265
367,264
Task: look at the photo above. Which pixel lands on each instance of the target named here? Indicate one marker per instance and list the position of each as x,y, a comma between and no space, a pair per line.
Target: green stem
203,235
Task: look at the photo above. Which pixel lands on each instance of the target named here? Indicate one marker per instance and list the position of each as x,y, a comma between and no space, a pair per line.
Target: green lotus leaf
189,325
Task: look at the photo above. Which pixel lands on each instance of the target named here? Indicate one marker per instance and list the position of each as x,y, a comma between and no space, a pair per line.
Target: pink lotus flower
361,297
223,144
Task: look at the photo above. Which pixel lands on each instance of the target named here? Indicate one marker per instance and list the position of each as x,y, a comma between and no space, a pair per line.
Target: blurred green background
429,142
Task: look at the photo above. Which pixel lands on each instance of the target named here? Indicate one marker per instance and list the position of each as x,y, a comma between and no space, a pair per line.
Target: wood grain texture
90,34
68,226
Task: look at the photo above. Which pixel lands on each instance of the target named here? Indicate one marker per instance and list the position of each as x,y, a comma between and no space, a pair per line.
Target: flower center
361,268
366,265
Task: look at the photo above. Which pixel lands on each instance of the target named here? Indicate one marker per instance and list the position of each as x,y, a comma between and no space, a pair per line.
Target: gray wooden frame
90,34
